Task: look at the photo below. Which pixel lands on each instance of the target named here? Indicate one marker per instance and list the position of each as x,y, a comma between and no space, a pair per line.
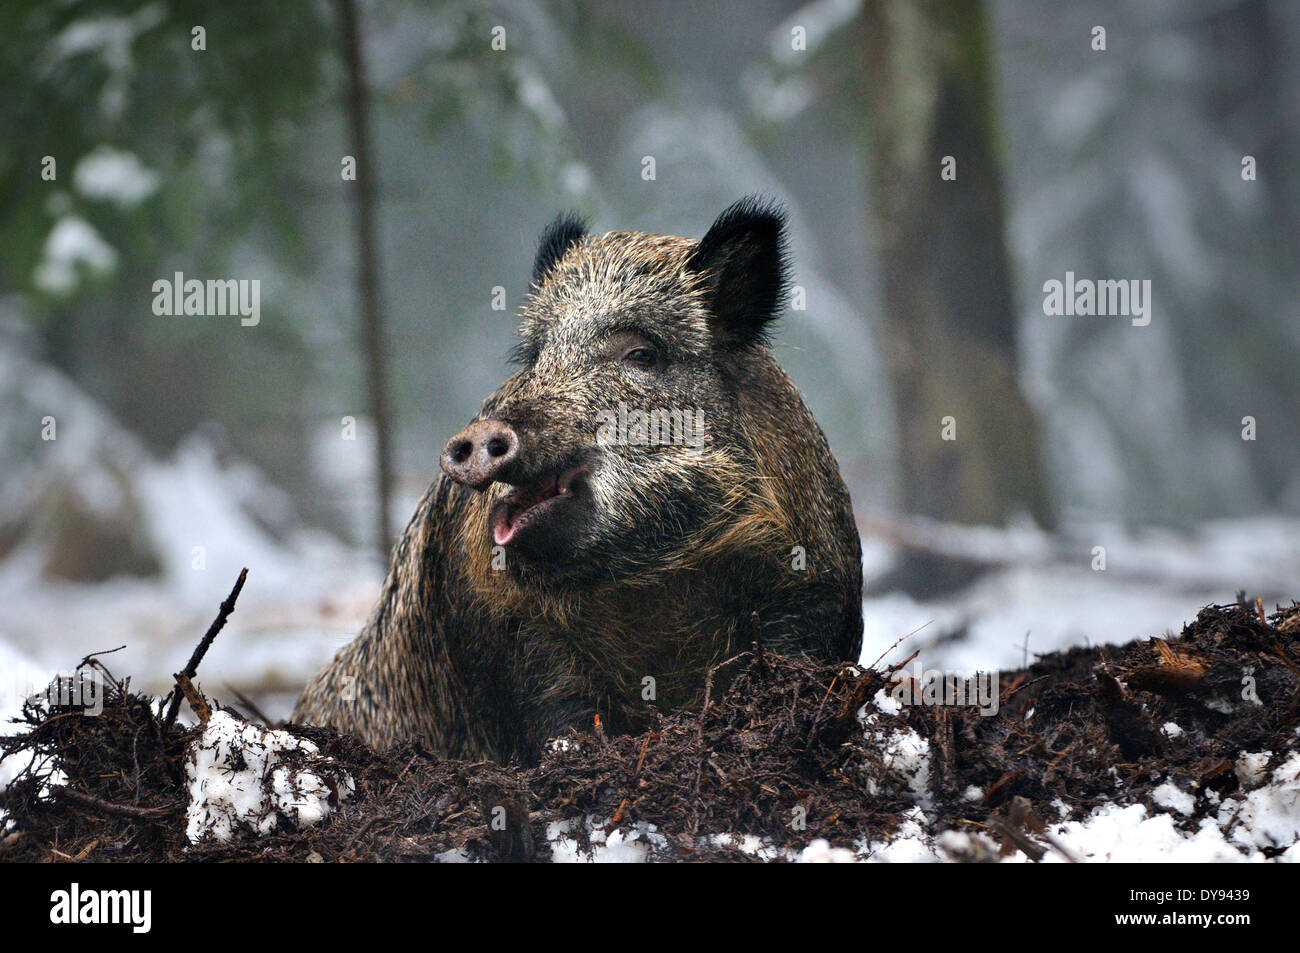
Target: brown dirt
783,742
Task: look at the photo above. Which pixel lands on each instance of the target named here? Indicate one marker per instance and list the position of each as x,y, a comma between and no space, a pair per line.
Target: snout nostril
480,454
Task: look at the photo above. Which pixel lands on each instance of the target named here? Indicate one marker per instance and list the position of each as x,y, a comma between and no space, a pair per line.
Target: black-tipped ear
742,258
566,230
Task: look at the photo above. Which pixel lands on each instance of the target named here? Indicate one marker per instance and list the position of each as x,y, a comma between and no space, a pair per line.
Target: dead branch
89,800
192,667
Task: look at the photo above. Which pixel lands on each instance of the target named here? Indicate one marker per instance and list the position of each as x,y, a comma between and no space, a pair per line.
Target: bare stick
249,705
89,800
192,667
900,641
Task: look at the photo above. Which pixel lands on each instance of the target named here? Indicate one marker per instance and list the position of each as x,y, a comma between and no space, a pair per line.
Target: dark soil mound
781,754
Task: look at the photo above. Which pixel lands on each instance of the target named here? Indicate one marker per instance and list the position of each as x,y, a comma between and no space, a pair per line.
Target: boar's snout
481,453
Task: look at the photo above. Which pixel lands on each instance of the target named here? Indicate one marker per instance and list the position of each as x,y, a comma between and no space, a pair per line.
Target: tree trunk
368,262
950,317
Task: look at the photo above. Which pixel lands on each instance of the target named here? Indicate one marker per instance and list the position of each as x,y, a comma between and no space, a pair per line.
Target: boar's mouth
528,503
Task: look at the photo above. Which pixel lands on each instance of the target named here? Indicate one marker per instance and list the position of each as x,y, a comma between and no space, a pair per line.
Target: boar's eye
642,356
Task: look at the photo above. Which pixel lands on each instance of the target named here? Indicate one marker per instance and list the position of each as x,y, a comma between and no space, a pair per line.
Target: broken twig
89,800
192,666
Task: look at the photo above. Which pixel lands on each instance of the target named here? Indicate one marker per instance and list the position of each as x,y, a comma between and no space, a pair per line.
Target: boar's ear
562,234
742,259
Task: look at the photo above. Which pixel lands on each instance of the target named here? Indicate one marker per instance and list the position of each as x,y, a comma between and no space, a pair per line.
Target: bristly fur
670,560
566,230
745,257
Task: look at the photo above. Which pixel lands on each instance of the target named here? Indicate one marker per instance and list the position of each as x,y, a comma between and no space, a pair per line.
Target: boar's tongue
526,501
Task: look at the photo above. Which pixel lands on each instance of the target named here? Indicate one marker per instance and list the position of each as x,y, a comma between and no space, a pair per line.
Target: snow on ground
903,751
240,780
608,846
1265,815
1268,816
204,518
1048,596
19,679
292,616
906,754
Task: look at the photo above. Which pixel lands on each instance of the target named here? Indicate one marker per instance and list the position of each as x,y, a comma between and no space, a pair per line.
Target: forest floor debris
1178,748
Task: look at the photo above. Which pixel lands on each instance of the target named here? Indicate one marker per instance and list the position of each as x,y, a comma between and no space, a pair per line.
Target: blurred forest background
146,458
